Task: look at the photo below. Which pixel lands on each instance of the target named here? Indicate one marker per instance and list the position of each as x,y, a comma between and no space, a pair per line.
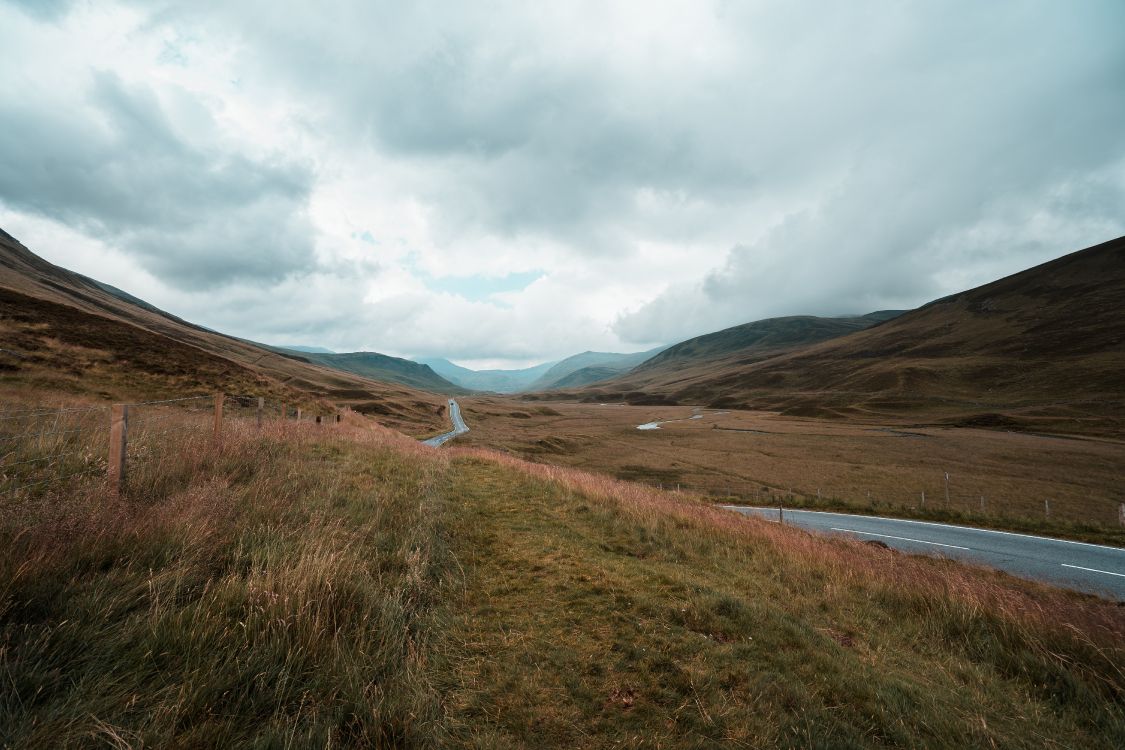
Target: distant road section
1092,568
459,427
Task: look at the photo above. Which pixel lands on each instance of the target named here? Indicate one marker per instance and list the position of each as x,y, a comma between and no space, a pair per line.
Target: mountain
588,367
62,331
659,370
386,368
1043,349
584,376
306,349
760,337
497,381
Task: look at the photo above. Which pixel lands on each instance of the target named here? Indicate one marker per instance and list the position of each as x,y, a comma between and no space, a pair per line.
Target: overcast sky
515,182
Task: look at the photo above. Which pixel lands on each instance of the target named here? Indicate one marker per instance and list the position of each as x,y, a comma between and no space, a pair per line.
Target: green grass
584,624
316,588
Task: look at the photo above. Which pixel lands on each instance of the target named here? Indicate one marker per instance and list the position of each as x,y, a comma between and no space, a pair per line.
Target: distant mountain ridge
760,336
308,349
387,368
497,381
589,367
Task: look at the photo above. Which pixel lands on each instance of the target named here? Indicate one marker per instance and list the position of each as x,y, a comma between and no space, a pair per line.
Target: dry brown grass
1024,604
861,465
275,587
598,613
312,586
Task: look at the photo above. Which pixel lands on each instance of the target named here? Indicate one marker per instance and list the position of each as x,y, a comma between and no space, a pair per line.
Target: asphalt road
459,427
1092,568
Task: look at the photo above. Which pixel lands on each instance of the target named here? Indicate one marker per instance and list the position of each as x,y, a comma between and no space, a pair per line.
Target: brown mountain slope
1042,349
743,345
61,331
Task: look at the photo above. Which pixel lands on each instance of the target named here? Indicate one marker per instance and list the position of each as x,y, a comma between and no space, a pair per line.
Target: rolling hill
497,381
761,336
62,331
588,367
386,368
1043,349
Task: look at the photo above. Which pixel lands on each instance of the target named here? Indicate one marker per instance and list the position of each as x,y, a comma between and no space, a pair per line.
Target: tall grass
603,614
1068,633
277,588
316,586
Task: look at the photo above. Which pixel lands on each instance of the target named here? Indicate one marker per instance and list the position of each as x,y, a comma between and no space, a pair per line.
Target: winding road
459,427
1092,568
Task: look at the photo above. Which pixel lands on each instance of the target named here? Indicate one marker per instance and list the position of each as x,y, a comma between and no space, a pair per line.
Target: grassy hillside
66,332
497,381
387,369
585,376
588,367
753,341
302,587
1043,349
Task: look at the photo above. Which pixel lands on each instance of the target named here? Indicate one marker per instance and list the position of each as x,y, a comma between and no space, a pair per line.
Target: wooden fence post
318,419
298,414
1047,508
284,410
261,405
1121,513
219,416
118,445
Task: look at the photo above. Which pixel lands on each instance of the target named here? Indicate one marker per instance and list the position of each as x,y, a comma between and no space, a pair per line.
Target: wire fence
50,446
50,449
947,499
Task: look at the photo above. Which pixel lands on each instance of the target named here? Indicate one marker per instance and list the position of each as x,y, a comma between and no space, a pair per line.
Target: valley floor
1062,486
306,588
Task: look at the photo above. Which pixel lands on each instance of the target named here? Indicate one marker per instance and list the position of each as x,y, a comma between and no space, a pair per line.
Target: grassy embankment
306,588
998,479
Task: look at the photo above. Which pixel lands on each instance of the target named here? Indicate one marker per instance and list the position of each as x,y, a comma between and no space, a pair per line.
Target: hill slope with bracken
751,342
654,377
63,332
386,368
1041,349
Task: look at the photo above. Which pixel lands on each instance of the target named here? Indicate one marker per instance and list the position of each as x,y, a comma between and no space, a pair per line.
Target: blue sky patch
480,288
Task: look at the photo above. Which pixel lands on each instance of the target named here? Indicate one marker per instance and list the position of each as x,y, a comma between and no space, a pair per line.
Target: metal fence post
218,415
118,446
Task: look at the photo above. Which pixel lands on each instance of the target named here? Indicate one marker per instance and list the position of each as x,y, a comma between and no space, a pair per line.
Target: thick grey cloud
43,9
981,142
930,110
672,167
195,216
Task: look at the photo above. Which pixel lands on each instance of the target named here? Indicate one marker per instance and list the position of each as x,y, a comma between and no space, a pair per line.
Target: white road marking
901,538
940,525
1093,570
